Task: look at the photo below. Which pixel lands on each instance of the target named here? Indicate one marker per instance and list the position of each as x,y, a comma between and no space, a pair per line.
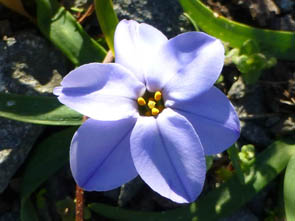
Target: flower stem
109,57
79,203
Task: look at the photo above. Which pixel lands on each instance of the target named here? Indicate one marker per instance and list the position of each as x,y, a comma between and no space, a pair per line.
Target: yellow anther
158,95
155,111
141,101
151,104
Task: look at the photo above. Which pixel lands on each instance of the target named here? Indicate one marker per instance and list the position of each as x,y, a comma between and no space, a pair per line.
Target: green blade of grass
58,25
280,44
289,190
107,19
234,156
222,201
46,159
37,110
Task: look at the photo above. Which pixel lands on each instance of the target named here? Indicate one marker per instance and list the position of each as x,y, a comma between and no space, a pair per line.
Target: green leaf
275,43
58,25
38,110
66,209
107,19
209,162
234,156
289,190
222,201
192,21
249,47
47,157
28,212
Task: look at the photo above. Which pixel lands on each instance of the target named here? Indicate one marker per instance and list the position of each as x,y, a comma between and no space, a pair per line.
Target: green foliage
59,26
254,51
209,162
38,110
234,156
28,212
47,158
66,209
107,19
279,44
249,61
289,190
247,155
222,201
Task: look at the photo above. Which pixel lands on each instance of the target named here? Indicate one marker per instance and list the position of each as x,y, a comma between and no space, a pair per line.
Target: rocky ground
29,64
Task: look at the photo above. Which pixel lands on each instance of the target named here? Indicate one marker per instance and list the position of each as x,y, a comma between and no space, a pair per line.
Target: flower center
150,104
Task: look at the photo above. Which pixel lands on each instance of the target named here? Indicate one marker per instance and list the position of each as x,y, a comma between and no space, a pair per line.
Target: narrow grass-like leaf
280,44
234,156
192,21
209,162
289,190
28,212
222,201
47,157
107,19
58,25
37,110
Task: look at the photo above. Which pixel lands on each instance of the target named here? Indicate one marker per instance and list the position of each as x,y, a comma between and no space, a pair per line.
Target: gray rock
237,90
10,216
167,15
285,126
129,190
286,5
5,29
28,65
17,139
254,133
248,100
286,22
249,104
81,4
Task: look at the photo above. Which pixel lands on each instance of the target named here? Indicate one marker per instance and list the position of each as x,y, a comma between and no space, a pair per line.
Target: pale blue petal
213,117
186,66
100,156
136,44
168,156
101,91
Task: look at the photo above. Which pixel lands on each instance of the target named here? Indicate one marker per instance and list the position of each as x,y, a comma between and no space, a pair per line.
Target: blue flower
153,113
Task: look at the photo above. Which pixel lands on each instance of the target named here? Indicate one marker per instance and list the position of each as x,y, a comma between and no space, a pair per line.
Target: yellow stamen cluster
150,104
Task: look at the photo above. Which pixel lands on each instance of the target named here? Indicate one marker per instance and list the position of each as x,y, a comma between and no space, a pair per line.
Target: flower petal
136,44
168,156
100,156
101,91
214,119
186,65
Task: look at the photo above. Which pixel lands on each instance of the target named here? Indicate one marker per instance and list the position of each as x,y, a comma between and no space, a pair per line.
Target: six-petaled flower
153,113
